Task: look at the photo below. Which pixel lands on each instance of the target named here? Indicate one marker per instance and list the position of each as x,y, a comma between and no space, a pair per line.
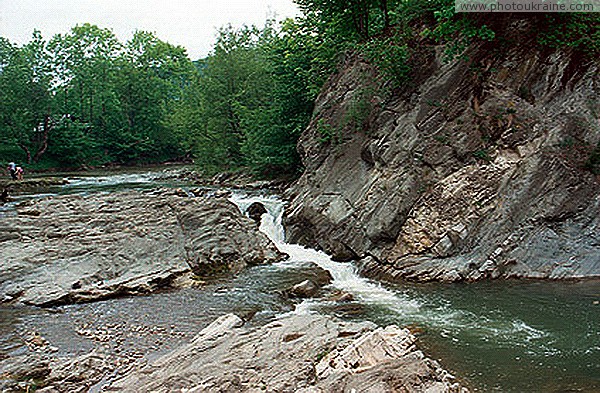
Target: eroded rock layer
297,353
81,248
476,168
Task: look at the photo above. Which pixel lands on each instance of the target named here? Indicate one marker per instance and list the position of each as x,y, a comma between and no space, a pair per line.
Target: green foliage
253,97
390,55
593,162
84,97
358,110
457,31
483,155
351,15
25,99
327,133
580,31
70,144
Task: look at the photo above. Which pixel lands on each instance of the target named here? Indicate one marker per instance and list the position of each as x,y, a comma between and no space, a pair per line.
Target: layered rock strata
477,168
296,353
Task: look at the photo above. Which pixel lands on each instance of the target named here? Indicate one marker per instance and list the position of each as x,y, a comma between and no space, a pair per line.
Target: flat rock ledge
68,249
31,183
296,353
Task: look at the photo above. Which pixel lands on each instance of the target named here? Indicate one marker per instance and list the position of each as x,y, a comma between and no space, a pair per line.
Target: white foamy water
408,307
112,180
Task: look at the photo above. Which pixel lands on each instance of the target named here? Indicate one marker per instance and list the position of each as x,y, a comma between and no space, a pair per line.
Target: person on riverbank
19,172
12,170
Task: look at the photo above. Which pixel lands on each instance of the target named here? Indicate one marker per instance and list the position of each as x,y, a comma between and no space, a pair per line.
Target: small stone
292,337
487,266
305,289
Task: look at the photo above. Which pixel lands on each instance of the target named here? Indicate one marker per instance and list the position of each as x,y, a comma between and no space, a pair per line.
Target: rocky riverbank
30,184
297,353
81,248
479,168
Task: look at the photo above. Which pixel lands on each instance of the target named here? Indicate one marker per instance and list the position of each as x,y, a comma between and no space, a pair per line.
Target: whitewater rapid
408,307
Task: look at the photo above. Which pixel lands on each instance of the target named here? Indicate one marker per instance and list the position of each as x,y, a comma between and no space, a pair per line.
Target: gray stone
296,353
305,289
84,248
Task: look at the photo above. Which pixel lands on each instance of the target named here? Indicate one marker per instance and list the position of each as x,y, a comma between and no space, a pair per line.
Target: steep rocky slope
476,168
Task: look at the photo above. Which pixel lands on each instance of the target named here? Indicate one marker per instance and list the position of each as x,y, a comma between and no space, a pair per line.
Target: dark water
510,336
497,336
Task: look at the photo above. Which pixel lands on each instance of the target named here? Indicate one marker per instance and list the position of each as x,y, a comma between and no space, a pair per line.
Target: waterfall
345,276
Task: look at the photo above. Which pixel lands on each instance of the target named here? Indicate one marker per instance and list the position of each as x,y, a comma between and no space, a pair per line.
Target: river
521,336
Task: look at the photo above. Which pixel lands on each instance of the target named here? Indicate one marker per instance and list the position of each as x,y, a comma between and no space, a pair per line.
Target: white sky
189,23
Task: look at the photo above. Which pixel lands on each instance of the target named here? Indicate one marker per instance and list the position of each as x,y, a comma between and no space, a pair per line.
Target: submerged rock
297,353
82,248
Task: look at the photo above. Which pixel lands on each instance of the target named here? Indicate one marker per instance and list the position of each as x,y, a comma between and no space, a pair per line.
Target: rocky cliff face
474,169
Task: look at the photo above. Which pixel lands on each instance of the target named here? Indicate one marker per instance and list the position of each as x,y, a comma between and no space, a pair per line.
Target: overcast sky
190,23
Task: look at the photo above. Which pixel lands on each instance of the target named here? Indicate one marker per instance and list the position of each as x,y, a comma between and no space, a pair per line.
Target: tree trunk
386,16
91,106
44,141
360,18
26,150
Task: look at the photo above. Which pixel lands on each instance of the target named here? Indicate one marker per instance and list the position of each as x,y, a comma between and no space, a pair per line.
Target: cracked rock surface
75,248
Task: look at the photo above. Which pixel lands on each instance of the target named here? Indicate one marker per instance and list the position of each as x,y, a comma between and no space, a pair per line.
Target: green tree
364,18
154,75
26,105
85,71
114,98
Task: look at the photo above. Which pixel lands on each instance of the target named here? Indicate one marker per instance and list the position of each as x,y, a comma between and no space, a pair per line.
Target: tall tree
26,105
153,80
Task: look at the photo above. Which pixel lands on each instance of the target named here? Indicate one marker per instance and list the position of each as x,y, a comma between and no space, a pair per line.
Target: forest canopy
84,98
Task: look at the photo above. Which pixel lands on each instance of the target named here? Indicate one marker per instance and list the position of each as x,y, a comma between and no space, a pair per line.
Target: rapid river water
521,336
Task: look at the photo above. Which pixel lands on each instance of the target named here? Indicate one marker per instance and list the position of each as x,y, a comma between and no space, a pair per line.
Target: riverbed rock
477,169
304,290
30,184
45,374
340,296
315,278
255,211
296,353
19,370
82,248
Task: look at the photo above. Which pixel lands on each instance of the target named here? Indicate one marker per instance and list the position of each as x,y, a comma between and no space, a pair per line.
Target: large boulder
479,168
81,248
296,353
304,290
